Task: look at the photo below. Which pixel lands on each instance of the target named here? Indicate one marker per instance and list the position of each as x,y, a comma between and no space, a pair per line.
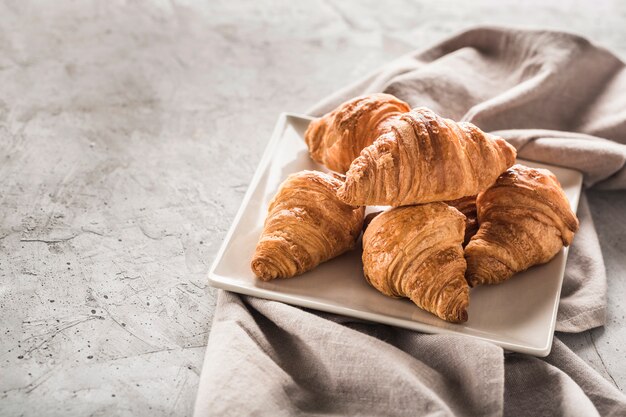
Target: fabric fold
290,361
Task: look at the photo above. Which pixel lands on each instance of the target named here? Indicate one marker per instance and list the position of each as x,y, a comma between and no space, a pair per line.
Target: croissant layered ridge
415,252
426,158
525,219
337,138
306,225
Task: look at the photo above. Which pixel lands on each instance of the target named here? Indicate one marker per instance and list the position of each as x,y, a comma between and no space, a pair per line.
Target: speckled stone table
128,135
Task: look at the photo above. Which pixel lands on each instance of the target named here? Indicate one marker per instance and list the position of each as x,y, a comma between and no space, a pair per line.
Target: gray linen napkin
559,99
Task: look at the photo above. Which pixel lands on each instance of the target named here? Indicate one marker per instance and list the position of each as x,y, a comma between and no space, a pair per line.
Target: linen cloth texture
558,99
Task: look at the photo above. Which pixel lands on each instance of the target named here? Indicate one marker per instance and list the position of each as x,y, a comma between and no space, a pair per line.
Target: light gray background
128,134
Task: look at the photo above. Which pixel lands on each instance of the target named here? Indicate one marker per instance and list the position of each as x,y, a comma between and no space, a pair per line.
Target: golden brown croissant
416,252
467,206
336,138
525,219
425,158
306,225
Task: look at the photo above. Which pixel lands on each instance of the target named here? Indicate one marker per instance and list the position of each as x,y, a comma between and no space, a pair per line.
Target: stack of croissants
461,213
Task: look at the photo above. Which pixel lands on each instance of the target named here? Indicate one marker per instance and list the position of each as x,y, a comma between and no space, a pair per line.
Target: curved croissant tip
313,138
508,150
459,314
456,311
463,316
264,269
474,279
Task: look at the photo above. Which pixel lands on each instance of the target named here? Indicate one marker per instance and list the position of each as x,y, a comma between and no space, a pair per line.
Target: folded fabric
558,99
268,358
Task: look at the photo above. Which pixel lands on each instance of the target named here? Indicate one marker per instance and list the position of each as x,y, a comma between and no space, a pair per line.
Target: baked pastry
338,137
426,158
416,252
306,225
467,206
525,219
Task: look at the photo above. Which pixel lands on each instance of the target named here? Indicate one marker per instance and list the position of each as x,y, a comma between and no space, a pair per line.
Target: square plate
518,315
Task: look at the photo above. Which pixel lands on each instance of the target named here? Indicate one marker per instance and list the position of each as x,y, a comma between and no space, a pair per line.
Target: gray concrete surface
128,134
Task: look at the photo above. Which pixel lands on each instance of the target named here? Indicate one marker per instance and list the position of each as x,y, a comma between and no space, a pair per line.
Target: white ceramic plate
518,315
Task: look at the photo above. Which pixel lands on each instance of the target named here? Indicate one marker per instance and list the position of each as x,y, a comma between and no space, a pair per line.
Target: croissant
336,138
425,158
525,219
416,252
467,206
306,225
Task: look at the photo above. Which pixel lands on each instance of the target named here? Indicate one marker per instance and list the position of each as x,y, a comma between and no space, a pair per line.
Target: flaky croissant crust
425,158
416,252
338,137
306,225
525,219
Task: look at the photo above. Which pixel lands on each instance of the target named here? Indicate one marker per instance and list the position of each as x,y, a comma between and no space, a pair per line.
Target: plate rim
222,282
